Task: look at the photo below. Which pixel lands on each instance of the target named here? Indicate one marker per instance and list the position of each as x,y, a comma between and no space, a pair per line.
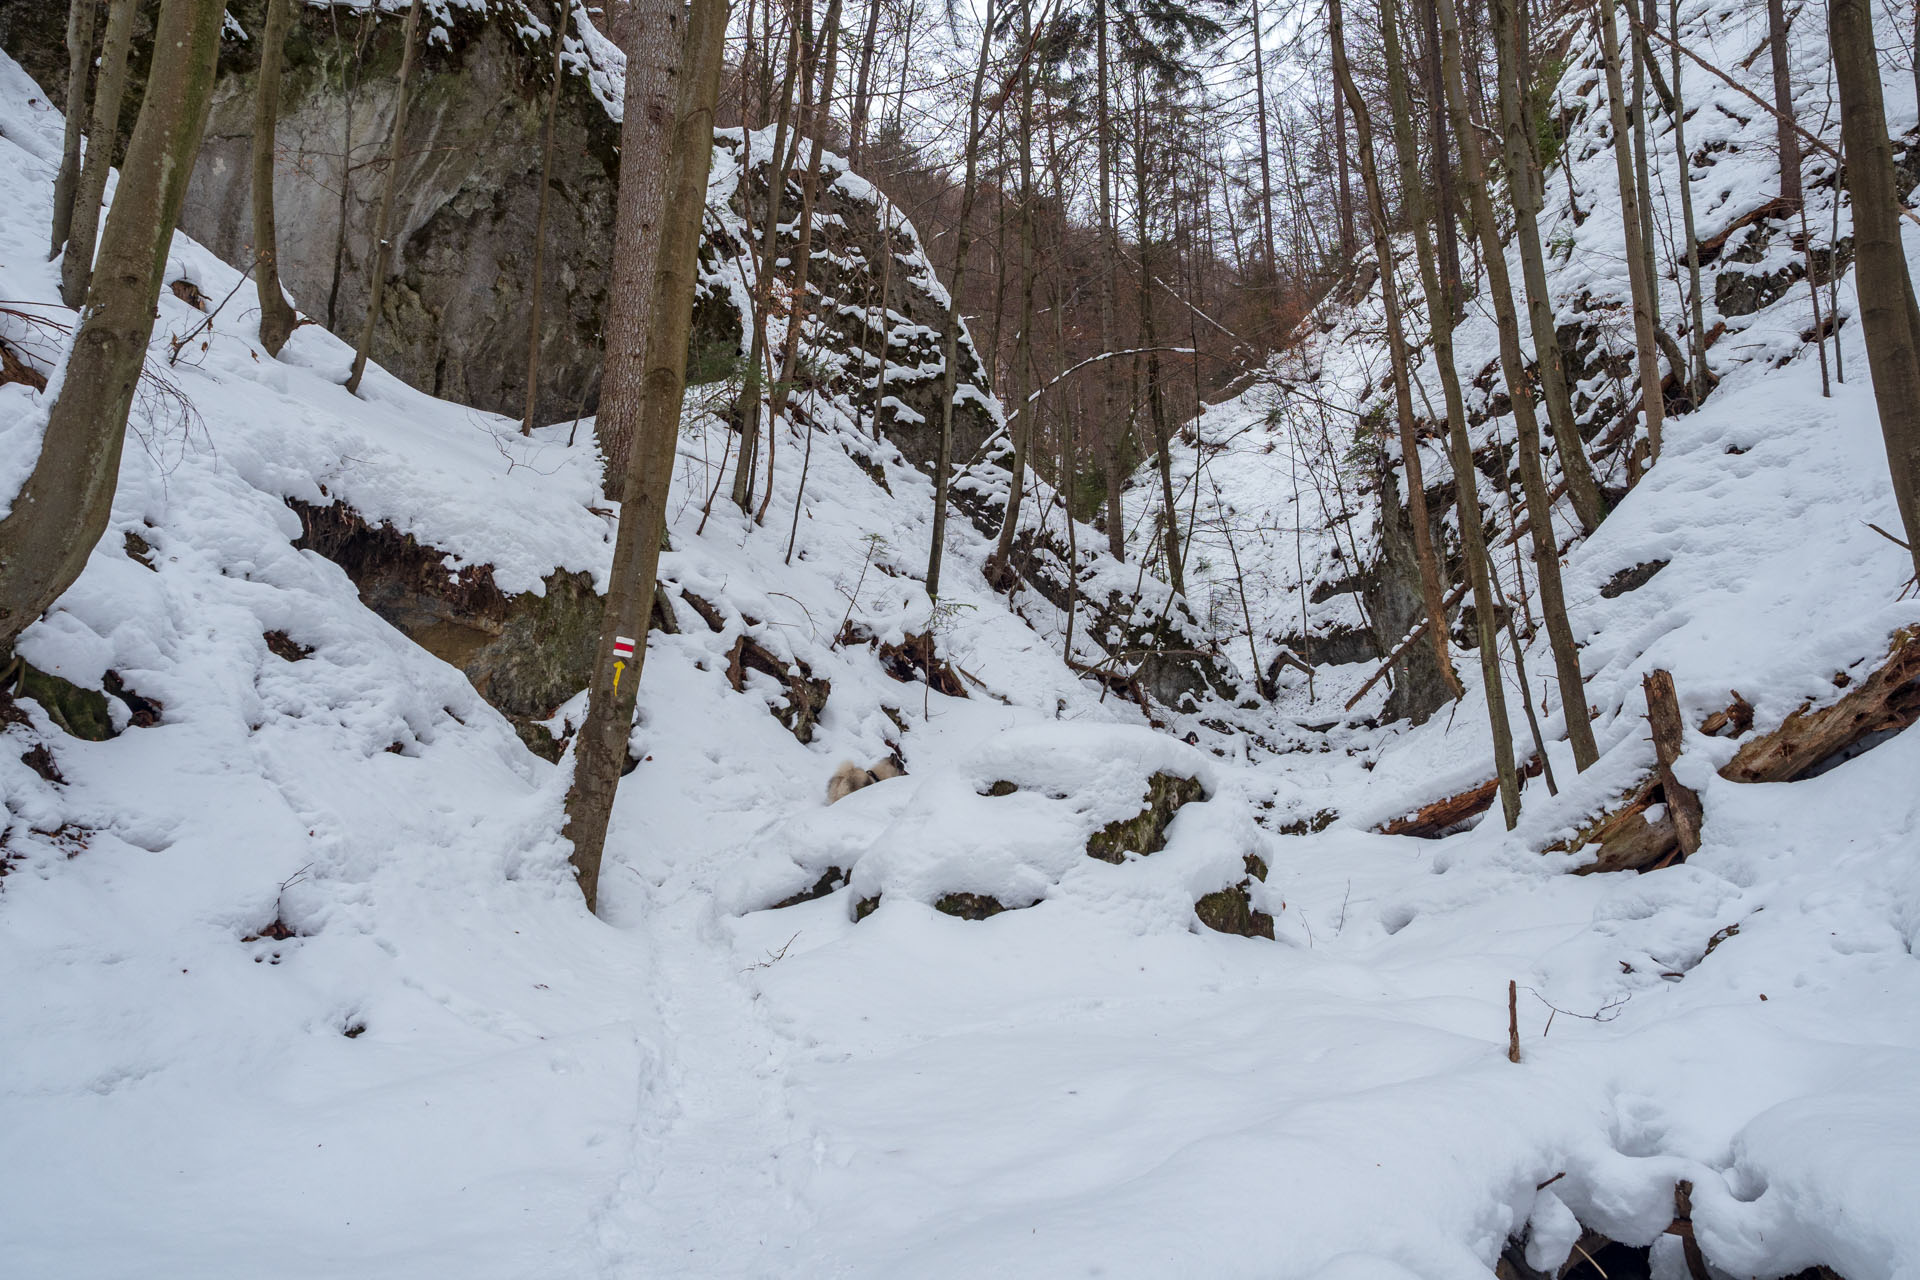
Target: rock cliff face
458,301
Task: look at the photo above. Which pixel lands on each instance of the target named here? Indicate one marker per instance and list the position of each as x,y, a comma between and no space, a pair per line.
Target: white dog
850,777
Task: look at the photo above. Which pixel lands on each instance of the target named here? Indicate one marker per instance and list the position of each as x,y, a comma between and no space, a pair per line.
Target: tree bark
81,19
1789,139
1431,591
803,253
383,221
769,253
863,90
950,372
999,569
535,287
1642,175
1653,403
64,507
76,265
1524,188
277,318
1663,718
1267,259
659,348
1150,343
1546,554
1446,231
1889,319
1345,211
1697,324
1112,426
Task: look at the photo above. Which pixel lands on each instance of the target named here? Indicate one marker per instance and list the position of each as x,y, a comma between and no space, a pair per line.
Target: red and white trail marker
622,655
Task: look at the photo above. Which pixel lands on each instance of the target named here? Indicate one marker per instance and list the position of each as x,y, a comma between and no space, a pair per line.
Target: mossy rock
1146,831
1231,911
1308,826
969,906
865,907
79,712
1000,788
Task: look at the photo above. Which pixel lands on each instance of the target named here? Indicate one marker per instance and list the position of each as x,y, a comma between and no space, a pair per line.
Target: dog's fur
850,777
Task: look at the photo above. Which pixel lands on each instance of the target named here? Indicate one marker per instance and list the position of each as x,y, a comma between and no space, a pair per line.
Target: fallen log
1638,831
1447,814
1887,700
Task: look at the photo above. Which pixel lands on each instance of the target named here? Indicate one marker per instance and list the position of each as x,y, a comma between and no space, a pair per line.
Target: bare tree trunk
64,507
653,368
277,318
76,265
803,254
1150,341
1546,554
950,372
1431,592
1697,323
1446,232
1112,426
1889,318
1642,175
383,221
81,19
1345,212
536,287
999,565
769,253
1653,403
1789,139
863,89
1268,261
1524,187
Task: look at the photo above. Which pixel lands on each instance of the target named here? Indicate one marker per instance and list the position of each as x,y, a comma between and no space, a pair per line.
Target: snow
450,1068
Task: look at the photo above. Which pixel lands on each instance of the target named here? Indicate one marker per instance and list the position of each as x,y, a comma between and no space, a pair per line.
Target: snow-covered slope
282,996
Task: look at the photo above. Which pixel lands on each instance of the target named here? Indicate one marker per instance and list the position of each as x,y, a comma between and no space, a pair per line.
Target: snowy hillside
299,981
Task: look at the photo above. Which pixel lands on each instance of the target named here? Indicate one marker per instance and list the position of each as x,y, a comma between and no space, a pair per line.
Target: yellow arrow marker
618,667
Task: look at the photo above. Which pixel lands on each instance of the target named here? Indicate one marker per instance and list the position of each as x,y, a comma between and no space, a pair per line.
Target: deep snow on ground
1092,1084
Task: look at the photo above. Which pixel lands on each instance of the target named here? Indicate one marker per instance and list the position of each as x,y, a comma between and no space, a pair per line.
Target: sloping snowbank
448,1068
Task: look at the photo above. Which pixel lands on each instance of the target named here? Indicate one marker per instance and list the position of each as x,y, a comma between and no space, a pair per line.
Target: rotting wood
1444,816
1663,718
1889,699
1628,839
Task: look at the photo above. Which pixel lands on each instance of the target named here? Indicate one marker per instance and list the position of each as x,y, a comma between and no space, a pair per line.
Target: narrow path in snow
713,1186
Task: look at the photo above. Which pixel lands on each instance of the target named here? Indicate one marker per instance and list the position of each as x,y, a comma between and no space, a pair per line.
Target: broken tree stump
1663,717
